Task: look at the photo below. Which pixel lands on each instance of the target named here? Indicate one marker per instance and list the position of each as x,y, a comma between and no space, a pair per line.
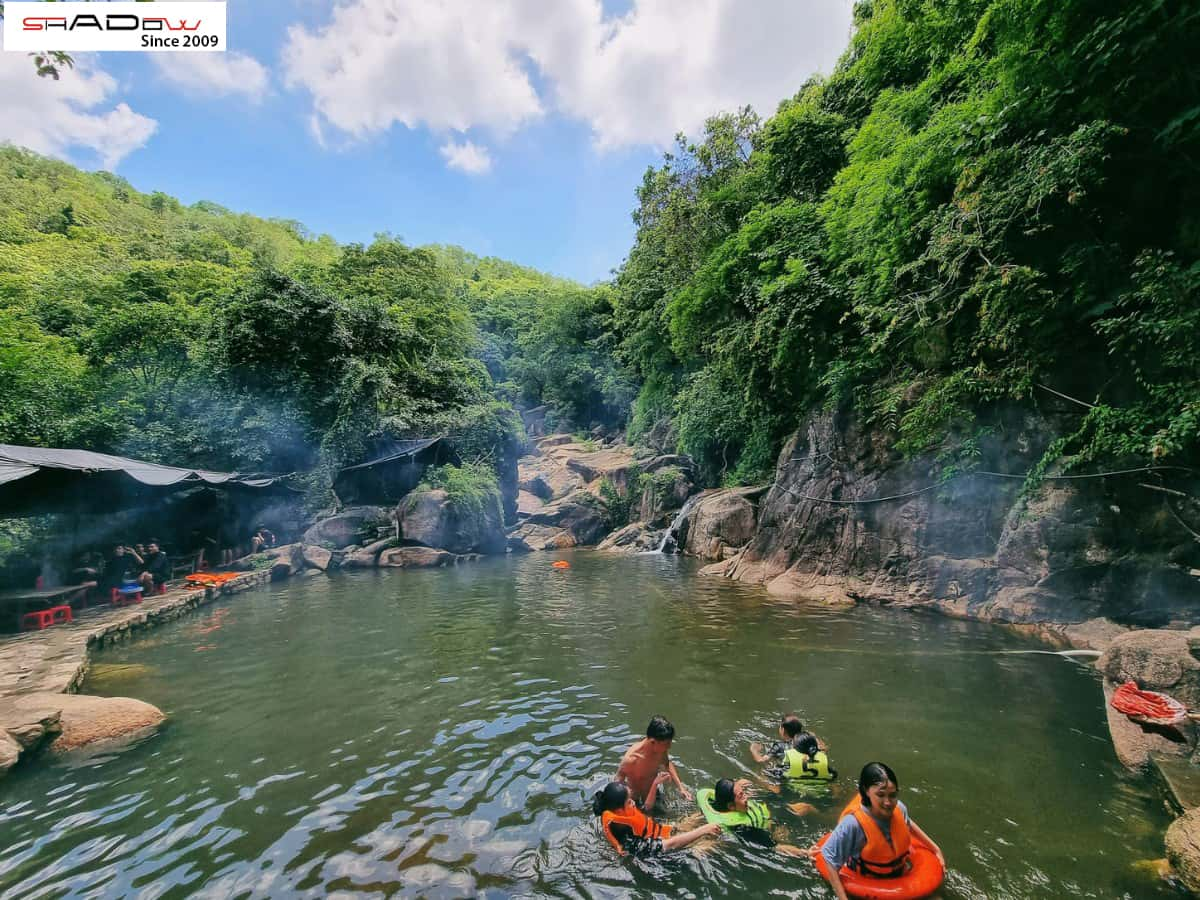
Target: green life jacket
756,815
801,768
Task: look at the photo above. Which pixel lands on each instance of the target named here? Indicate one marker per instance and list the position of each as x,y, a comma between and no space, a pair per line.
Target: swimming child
630,830
873,837
730,805
647,758
790,728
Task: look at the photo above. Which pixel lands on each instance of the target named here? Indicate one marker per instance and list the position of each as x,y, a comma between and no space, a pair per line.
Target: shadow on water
439,733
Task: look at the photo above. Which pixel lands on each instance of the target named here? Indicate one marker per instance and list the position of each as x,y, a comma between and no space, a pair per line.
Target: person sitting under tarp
119,568
156,568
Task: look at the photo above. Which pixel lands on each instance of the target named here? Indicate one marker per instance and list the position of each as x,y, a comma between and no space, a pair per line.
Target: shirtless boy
647,758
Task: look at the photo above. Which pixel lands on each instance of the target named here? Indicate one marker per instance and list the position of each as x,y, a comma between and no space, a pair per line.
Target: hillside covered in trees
985,202
194,335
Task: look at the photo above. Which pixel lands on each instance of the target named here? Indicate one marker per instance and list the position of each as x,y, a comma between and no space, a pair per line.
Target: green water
438,733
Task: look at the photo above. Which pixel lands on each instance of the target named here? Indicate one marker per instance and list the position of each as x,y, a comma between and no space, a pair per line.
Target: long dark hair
610,799
874,773
723,795
807,744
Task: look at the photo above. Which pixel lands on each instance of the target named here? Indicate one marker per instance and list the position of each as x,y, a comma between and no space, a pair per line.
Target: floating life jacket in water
641,825
879,858
756,815
801,768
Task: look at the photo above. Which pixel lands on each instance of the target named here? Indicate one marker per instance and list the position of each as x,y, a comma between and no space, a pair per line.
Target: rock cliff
847,518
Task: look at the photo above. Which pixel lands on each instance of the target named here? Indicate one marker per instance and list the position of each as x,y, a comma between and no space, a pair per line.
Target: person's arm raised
759,754
652,794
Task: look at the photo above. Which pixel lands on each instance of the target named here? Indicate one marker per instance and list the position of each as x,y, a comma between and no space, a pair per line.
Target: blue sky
515,128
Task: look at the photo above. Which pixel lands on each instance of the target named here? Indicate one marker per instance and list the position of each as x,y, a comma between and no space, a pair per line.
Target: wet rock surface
636,537
1183,849
849,518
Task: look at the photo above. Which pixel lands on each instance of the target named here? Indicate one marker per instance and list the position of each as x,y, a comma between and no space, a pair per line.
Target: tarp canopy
391,475
38,480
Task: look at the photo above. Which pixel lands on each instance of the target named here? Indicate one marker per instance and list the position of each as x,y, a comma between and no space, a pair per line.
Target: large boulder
1158,660
636,537
616,465
317,558
88,721
572,521
1183,849
1135,745
431,519
417,558
546,477
719,519
368,556
350,526
72,722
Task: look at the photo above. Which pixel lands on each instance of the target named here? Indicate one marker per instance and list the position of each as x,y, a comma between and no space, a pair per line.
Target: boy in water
642,762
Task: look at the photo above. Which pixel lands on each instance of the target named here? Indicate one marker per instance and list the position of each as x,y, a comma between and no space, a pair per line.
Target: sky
514,128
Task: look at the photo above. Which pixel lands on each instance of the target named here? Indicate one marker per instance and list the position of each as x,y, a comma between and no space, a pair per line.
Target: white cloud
447,66
53,117
670,64
466,157
214,74
635,80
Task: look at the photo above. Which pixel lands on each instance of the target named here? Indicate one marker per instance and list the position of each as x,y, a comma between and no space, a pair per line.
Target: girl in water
874,836
630,830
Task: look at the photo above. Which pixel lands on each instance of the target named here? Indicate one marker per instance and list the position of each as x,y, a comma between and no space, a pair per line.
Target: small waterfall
668,543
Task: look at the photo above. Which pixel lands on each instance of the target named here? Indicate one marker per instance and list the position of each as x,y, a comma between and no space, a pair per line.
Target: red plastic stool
36,620
121,597
44,618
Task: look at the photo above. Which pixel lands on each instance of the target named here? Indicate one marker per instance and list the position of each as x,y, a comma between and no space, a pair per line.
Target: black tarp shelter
37,481
393,474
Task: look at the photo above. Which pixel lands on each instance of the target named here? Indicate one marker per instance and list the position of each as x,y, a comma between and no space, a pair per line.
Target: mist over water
439,733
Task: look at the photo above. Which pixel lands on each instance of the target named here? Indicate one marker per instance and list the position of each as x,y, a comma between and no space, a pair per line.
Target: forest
983,202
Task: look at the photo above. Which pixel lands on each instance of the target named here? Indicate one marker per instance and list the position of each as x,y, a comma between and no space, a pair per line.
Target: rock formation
430,518
848,518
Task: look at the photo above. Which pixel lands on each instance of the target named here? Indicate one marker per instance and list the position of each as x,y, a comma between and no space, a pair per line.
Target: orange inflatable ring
921,880
560,564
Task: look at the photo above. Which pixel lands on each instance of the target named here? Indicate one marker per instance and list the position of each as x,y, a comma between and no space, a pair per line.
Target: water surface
438,734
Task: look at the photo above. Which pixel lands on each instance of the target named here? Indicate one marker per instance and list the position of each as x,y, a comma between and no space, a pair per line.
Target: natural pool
438,733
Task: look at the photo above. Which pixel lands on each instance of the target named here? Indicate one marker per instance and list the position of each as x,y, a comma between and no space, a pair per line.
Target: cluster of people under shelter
149,566
874,838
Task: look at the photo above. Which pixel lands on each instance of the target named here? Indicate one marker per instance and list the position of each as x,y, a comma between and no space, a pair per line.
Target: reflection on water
439,733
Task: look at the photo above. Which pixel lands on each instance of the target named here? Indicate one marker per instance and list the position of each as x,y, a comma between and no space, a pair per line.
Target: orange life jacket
643,826
880,858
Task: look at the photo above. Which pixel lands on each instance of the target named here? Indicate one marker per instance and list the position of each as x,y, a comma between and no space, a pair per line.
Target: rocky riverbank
849,519
41,670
